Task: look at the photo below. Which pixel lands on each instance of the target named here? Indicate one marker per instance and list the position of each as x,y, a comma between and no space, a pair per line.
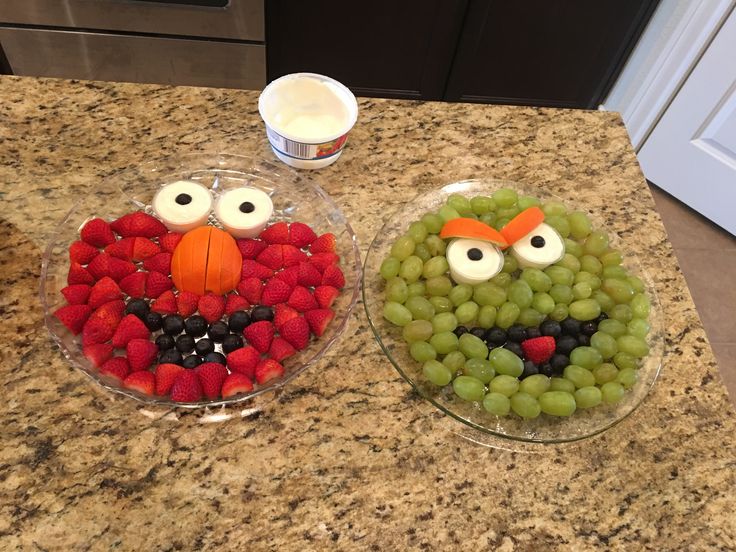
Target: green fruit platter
512,311
200,280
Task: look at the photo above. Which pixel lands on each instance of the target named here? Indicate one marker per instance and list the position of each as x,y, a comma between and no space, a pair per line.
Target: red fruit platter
200,281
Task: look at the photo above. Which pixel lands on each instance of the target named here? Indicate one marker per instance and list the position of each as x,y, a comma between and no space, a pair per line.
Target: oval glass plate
296,197
544,429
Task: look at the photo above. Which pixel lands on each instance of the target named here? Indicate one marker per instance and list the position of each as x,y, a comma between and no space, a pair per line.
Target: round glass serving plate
543,429
296,197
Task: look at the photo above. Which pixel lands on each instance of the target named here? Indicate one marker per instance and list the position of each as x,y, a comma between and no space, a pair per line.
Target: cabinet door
380,48
563,53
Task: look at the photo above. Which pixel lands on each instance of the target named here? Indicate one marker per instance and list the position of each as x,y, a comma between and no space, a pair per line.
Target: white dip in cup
308,117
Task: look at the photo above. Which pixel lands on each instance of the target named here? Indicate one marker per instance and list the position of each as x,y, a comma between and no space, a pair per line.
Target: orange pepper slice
474,230
214,258
231,265
522,224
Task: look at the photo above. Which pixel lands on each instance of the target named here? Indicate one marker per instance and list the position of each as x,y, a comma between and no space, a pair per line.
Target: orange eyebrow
472,229
522,224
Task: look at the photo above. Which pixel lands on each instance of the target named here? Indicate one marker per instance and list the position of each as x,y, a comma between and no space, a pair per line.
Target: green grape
390,267
438,286
421,351
635,346
530,317
543,303
507,315
420,308
561,384
520,293
435,245
468,388
417,330
636,284
557,403
396,313
559,313
535,385
537,280
441,304
591,264
510,264
554,209
573,248
603,299
472,346
582,290
448,213
403,247
479,369
454,361
612,327
569,262
622,313
612,392
604,373
489,293
418,232
482,205
505,197
640,306
579,376
496,403
433,223
560,224
488,218
604,344
504,384
587,357
560,275
618,290
507,212
422,252
592,280
436,266
460,203
588,397
397,290
417,289
596,243
585,309
437,373
561,294
612,257
616,271
467,312
624,360
638,327
487,316
444,342
506,362
525,202
411,269
580,225
525,405
471,216
628,377
502,279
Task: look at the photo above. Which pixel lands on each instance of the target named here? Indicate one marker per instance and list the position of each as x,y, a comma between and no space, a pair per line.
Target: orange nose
206,259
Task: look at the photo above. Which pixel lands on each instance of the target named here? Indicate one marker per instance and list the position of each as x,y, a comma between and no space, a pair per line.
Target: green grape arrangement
518,305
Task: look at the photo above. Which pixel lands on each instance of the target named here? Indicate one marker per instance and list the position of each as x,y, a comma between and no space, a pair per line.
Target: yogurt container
308,117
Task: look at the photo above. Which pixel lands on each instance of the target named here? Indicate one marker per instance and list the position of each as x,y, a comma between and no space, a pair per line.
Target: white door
691,153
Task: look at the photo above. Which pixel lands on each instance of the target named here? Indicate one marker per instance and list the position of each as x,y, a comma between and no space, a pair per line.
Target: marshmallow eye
540,248
244,212
473,261
183,205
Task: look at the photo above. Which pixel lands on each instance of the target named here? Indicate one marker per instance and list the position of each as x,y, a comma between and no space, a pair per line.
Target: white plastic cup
308,117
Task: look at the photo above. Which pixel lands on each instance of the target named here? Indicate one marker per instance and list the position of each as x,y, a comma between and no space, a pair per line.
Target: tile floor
706,254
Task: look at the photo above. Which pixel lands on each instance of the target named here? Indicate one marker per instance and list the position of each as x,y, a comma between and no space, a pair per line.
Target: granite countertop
347,457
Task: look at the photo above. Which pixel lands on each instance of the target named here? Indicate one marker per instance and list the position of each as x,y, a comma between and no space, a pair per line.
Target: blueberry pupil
183,199
247,207
538,241
475,254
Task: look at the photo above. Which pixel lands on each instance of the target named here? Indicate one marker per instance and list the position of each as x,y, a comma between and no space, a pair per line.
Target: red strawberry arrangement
137,328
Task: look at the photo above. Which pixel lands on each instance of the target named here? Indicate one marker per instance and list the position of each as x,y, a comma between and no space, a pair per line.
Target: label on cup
301,150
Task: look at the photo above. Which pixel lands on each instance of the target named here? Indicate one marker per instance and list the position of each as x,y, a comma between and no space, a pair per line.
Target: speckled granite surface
346,458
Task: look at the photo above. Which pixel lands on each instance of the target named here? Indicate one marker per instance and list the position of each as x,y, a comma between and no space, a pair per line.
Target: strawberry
186,303
102,323
82,252
267,370
309,276
538,349
280,349
142,381
324,244
134,285
79,275
301,235
117,367
166,303
271,257
156,284
260,335
275,291
165,375
322,260
301,299
244,360
211,376
325,296
211,307
143,248
296,332
235,384
98,353
76,294
276,233
186,387
250,248
138,224
97,233
333,276
235,303
169,241
251,289
281,314
318,319
73,316
289,275
254,269
105,265
122,249
159,262
103,291
292,256
141,353
130,327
